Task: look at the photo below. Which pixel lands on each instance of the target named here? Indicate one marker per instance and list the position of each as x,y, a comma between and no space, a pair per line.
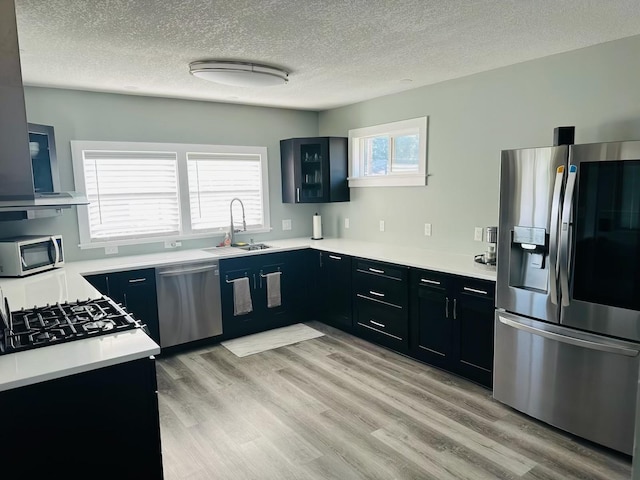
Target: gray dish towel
241,296
274,299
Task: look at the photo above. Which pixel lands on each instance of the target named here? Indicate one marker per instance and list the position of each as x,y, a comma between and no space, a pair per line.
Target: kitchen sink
254,246
237,248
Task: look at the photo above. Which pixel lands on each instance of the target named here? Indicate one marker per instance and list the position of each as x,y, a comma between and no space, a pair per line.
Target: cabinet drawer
390,321
476,288
382,289
381,269
427,278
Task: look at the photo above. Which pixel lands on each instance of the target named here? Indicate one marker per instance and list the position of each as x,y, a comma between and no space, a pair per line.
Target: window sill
389,181
167,238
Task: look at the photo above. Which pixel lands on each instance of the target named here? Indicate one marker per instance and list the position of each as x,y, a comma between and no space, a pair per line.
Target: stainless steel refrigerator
567,326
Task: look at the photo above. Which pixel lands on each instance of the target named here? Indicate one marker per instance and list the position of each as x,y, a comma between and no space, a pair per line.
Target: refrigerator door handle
578,342
553,235
565,231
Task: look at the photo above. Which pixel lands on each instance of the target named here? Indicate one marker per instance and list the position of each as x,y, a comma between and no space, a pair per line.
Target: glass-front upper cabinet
314,170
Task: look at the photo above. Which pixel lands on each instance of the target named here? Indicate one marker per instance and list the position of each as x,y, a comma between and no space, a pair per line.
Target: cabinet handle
378,324
137,280
455,305
298,194
377,294
375,270
320,257
254,281
475,290
125,301
106,281
335,257
426,280
446,307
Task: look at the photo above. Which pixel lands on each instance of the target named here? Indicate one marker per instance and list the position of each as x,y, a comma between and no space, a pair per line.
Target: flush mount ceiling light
239,74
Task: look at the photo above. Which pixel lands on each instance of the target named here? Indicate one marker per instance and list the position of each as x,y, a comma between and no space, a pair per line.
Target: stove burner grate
41,326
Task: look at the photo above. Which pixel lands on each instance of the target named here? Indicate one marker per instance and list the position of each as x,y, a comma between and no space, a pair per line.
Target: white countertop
55,361
67,284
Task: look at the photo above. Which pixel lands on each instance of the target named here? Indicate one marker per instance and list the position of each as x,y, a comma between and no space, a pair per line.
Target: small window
393,154
150,192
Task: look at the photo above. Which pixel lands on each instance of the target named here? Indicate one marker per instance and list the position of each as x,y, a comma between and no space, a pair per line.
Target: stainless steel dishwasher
189,305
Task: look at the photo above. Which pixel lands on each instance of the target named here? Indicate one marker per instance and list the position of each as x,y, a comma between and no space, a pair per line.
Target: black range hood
17,192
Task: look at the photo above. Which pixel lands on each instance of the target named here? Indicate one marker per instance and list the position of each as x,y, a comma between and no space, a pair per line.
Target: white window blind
215,179
131,193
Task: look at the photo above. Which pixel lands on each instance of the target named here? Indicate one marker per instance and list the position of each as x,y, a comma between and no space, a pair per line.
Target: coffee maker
488,258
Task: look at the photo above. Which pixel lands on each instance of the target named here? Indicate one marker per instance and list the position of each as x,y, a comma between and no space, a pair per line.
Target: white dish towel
241,296
274,298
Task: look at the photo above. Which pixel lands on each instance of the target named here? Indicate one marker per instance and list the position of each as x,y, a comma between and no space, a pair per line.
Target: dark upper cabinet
314,170
136,291
452,323
334,289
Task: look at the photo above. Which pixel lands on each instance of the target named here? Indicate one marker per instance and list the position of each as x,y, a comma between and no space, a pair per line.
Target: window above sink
153,192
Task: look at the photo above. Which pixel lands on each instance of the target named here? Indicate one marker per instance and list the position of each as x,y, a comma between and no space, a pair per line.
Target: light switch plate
477,234
286,224
346,223
427,229
111,250
382,225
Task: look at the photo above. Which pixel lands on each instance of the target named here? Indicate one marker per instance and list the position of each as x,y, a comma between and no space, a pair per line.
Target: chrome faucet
244,223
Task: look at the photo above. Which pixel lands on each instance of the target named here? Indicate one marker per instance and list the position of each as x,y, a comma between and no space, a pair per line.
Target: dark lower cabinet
452,323
381,304
136,291
101,424
335,289
289,266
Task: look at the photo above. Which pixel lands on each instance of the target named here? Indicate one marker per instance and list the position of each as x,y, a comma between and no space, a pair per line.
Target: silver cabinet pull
375,270
137,280
446,307
298,194
475,290
455,305
254,281
426,280
125,301
106,281
335,257
377,294
378,324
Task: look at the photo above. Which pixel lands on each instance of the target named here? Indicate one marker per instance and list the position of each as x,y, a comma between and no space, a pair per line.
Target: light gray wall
78,115
470,121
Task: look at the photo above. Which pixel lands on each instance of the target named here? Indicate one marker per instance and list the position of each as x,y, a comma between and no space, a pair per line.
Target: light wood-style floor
337,407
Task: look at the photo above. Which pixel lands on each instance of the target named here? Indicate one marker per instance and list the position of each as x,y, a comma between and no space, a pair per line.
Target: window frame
391,179
181,149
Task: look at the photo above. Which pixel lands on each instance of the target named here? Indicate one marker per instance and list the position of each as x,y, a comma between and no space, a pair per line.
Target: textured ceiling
337,52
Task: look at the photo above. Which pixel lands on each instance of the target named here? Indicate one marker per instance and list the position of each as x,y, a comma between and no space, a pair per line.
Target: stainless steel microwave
22,256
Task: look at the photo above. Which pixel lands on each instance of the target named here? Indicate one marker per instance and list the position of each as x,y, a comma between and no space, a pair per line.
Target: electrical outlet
111,250
346,223
382,225
477,235
286,224
172,244
427,229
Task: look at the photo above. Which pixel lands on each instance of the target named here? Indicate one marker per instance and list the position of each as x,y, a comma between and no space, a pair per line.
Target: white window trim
418,178
77,146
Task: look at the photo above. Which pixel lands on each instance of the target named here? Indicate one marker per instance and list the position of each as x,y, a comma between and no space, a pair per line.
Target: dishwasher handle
187,271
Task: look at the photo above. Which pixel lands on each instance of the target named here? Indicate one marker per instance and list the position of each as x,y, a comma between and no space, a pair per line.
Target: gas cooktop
42,326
